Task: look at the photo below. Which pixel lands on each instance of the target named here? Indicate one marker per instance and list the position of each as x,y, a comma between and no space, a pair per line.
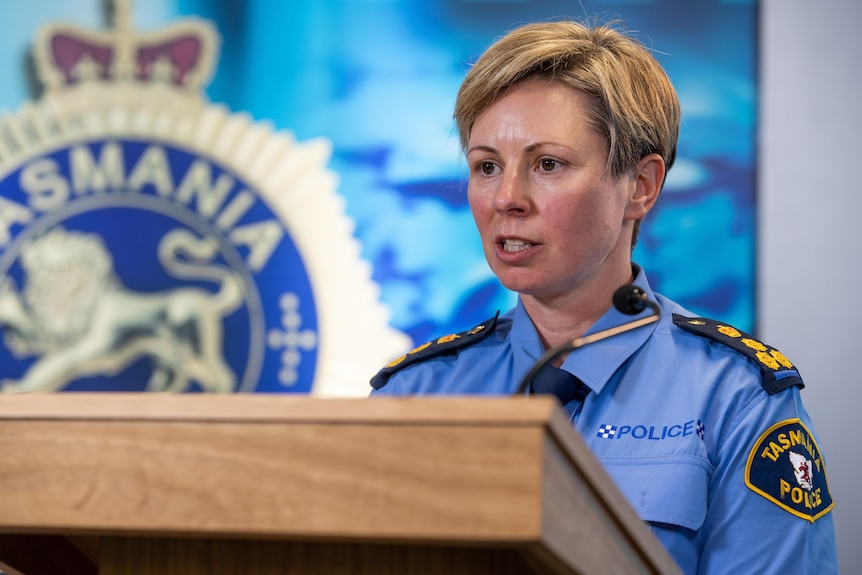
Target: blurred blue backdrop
378,78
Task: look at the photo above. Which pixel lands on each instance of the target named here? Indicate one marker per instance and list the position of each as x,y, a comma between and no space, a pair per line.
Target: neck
569,316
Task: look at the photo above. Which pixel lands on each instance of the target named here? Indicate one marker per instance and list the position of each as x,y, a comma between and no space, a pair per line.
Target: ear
647,181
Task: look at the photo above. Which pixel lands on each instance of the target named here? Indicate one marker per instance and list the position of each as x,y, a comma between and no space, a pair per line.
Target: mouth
514,245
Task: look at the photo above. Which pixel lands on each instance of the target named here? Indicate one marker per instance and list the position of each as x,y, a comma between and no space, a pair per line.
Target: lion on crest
75,315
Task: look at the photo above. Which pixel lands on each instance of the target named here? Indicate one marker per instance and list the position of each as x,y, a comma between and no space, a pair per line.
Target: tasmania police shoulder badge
786,467
151,241
778,372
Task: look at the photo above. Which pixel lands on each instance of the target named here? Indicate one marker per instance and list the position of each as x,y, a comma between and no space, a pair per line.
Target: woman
568,133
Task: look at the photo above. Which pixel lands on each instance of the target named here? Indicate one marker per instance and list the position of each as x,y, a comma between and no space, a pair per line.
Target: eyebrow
530,148
482,148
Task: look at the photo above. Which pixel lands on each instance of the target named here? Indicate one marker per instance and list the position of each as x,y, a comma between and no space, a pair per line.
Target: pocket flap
665,490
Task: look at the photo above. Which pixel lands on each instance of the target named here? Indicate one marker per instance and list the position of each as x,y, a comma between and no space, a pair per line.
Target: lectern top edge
478,410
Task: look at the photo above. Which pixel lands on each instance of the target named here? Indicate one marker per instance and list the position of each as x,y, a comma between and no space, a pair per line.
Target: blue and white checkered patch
607,431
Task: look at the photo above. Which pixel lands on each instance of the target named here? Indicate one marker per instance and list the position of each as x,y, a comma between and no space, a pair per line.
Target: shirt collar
595,363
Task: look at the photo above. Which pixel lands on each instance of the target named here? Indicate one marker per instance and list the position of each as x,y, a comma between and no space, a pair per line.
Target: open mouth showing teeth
515,245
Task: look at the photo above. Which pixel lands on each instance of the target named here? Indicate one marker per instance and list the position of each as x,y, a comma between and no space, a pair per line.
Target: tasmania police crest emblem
152,241
786,467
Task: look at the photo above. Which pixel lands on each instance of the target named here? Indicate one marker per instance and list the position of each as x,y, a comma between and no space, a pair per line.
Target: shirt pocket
669,490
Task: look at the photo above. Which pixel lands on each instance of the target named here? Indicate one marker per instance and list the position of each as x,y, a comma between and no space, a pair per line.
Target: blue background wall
379,79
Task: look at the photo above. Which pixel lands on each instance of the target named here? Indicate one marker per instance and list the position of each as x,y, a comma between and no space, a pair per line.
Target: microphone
628,299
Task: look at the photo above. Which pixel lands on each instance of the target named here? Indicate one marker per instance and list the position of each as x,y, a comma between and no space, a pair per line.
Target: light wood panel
371,478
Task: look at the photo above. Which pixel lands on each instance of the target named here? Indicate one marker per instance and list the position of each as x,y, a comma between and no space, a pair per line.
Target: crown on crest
182,55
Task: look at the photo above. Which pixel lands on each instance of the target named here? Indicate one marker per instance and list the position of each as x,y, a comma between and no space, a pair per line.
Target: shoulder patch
778,372
435,348
786,467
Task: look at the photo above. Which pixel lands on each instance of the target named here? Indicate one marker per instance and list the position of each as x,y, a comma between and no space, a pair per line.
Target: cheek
571,211
480,207
585,218
606,205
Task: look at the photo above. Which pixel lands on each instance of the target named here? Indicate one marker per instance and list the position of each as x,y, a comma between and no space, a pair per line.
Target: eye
548,165
487,168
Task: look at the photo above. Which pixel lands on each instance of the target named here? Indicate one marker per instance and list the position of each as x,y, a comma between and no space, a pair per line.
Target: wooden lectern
284,484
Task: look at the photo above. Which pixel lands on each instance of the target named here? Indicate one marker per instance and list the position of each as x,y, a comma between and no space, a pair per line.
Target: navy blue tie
555,381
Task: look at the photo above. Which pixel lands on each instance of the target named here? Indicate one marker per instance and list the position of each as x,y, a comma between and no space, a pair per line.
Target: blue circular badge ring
134,265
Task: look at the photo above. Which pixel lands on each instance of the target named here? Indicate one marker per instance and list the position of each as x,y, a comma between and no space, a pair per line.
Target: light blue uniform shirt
729,477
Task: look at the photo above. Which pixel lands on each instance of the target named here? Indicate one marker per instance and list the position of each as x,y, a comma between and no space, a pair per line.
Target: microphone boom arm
574,344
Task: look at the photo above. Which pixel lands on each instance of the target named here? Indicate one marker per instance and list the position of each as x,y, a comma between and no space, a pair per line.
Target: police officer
569,132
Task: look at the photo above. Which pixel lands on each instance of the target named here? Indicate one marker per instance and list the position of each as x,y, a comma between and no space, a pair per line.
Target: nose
512,197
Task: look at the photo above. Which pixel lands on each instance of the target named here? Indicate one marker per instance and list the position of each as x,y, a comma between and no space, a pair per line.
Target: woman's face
552,221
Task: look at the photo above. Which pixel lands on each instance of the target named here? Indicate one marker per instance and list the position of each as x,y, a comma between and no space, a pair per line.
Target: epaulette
778,372
436,348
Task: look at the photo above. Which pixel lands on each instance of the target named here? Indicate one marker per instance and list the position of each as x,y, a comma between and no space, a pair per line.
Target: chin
520,286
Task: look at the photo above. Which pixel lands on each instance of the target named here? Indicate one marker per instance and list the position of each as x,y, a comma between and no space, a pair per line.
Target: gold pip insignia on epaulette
435,348
778,372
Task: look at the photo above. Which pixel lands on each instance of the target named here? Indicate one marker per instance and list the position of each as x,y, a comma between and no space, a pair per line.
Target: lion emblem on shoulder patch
78,318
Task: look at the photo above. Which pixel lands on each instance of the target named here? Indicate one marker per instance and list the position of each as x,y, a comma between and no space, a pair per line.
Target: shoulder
447,345
778,372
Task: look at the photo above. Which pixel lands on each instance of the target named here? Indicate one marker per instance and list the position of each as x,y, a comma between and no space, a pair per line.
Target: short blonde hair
634,104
